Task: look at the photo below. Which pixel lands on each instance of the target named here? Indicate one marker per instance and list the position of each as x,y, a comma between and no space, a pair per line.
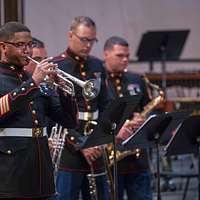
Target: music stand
161,46
150,135
177,118
187,140
109,123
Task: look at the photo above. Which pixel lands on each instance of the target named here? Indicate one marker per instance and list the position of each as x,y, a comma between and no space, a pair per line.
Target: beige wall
50,19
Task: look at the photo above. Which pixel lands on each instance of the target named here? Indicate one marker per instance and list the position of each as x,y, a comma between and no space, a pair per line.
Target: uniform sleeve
63,109
12,101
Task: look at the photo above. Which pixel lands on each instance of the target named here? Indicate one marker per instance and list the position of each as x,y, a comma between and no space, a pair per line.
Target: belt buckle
89,127
37,132
88,116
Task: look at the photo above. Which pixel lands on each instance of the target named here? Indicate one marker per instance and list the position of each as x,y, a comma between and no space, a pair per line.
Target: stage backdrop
49,20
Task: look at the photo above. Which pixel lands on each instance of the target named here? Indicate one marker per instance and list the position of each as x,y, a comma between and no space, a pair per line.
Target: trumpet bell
91,89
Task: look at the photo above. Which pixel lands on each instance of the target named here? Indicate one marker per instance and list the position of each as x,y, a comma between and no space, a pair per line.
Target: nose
27,49
125,59
89,44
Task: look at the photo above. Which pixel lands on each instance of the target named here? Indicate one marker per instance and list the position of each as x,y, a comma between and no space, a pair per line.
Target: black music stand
187,140
110,122
150,135
177,118
161,46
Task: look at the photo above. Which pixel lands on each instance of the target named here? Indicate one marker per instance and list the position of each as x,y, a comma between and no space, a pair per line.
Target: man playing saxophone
133,171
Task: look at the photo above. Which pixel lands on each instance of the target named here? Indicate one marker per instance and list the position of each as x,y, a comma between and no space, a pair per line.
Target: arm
13,100
63,109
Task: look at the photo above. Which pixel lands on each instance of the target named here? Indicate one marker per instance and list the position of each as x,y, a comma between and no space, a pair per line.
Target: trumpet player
26,169
133,172
75,165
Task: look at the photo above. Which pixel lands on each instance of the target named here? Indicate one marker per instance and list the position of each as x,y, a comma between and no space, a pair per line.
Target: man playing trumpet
26,169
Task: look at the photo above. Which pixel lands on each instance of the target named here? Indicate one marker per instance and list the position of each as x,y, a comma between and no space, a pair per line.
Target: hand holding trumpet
48,72
44,69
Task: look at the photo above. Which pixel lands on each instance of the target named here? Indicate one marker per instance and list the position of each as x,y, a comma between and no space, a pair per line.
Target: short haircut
82,20
8,30
115,40
37,43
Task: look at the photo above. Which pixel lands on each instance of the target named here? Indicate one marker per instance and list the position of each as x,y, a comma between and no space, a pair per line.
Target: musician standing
76,164
133,172
26,169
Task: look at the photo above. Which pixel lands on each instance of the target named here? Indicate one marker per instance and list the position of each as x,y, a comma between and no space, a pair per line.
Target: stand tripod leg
198,140
115,177
158,171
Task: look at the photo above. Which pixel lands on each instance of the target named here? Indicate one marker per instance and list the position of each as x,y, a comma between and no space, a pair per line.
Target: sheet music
148,119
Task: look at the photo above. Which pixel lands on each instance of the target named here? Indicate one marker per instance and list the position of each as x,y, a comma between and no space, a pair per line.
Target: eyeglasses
21,45
86,40
38,58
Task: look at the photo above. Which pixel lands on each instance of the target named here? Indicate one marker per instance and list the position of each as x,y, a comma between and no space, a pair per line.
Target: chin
23,63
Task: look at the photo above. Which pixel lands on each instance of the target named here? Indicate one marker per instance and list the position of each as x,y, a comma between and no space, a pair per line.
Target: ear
2,45
69,34
105,53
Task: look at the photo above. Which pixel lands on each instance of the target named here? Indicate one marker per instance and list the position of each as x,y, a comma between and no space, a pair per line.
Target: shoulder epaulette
60,57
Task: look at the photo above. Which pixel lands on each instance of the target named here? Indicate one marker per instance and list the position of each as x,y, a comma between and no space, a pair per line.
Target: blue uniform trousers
136,185
70,184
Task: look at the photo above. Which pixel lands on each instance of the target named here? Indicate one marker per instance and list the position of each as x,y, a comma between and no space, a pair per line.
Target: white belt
88,115
23,132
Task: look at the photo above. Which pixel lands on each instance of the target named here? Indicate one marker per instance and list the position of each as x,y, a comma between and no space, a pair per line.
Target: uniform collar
114,75
75,57
11,67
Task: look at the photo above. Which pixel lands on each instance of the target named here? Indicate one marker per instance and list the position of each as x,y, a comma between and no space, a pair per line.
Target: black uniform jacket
128,84
26,169
83,69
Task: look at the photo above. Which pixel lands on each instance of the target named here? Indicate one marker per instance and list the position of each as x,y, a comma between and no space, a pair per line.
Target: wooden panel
13,10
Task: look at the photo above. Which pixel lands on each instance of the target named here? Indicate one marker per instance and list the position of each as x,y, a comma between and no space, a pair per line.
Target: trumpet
57,139
90,88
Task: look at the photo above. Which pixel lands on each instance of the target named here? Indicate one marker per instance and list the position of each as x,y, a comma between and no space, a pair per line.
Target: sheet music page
134,133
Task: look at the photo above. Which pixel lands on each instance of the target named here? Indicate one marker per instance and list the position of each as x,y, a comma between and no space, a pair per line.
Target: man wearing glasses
26,170
76,164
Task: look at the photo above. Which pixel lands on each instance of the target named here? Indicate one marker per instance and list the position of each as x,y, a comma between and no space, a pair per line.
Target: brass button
33,112
88,107
23,89
117,81
72,138
36,121
112,75
83,73
119,88
9,151
12,67
77,58
31,102
81,65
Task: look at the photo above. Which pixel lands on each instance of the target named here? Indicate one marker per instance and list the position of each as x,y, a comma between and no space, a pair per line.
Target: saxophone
147,109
